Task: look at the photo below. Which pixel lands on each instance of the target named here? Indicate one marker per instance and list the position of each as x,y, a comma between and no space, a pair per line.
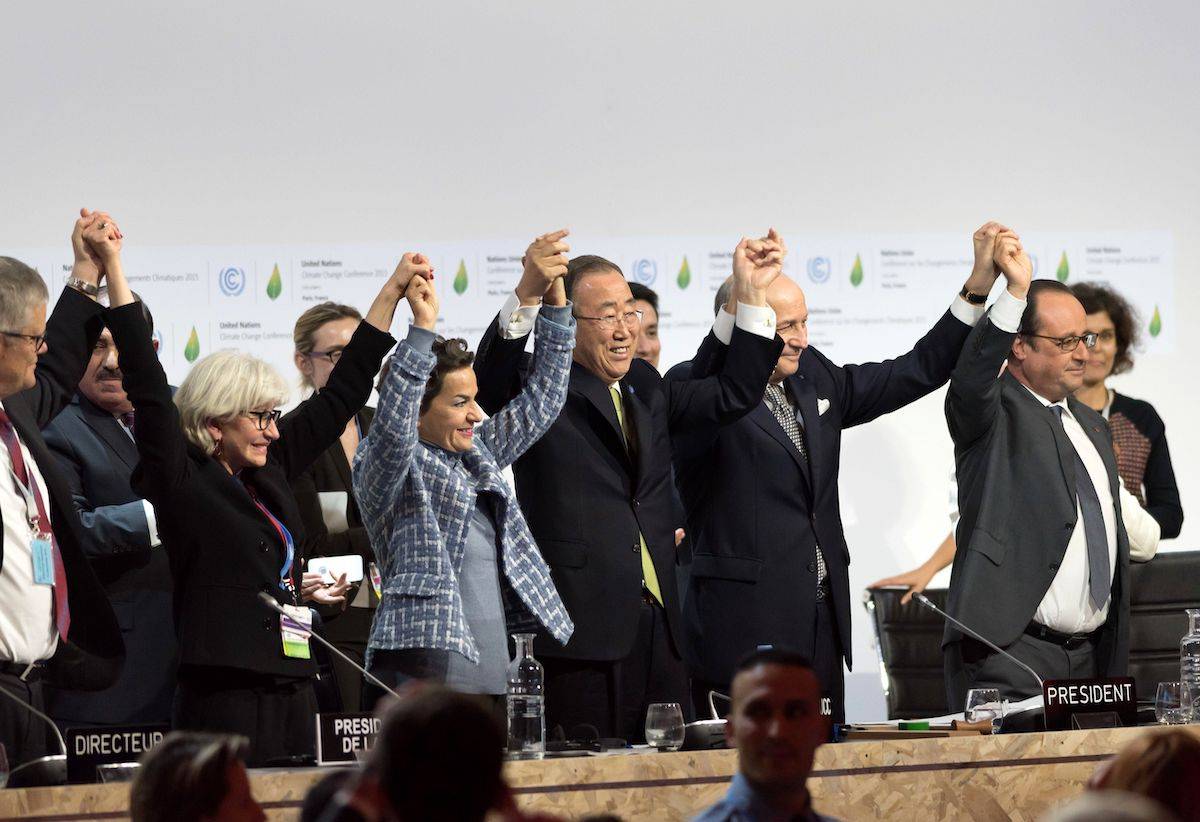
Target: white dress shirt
27,632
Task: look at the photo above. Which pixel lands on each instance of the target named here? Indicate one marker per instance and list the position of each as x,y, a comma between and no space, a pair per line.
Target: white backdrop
300,123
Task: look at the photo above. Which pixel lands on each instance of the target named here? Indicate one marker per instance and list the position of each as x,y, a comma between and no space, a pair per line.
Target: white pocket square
822,405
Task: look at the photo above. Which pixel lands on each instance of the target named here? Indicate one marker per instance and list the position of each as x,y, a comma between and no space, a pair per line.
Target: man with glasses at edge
1043,565
597,490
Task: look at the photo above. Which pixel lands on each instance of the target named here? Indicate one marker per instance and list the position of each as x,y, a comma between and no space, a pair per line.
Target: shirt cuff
966,312
151,524
516,320
420,339
722,327
757,319
1007,311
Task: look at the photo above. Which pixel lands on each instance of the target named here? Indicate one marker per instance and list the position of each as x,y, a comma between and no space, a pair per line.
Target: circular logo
232,281
645,271
819,269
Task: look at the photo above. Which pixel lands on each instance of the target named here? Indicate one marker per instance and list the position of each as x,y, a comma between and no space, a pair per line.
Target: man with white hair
56,623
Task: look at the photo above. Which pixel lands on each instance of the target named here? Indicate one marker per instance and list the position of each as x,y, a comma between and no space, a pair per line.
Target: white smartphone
331,568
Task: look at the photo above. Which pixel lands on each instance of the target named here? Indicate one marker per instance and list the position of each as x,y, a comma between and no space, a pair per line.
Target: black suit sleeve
71,334
870,390
316,423
701,406
160,441
1162,492
500,366
973,401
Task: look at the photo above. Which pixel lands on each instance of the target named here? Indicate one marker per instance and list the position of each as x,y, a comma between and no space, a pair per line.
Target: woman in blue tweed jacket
459,565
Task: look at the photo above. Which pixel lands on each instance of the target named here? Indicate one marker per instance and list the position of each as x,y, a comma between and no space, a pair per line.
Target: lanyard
285,536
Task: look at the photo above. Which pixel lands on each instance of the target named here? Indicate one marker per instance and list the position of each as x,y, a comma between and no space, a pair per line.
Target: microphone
45,770
924,600
270,602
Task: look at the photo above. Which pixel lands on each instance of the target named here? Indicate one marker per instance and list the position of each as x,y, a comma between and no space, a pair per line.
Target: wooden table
1017,776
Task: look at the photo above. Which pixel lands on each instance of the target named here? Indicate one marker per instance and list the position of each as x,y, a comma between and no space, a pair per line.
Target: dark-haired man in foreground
777,726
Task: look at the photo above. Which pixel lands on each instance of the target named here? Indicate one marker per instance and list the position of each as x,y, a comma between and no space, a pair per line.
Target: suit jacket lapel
764,418
1062,444
1100,440
108,429
806,400
595,391
641,423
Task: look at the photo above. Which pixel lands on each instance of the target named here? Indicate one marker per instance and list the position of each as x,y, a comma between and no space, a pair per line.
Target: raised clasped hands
1010,257
423,300
757,264
545,264
95,239
985,271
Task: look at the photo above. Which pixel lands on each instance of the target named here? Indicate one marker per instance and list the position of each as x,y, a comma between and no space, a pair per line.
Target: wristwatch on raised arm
83,287
972,298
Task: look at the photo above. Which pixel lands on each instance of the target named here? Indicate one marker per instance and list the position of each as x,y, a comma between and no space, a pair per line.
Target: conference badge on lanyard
43,558
295,625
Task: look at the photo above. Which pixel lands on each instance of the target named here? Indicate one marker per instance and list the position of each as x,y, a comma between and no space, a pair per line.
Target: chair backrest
1160,590
909,637
909,641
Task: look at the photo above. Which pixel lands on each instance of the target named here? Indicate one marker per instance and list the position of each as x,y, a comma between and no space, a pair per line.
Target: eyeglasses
36,339
333,355
1071,342
263,419
1106,336
630,319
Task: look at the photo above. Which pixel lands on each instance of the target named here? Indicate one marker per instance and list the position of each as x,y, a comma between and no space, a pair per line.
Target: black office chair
1160,590
909,641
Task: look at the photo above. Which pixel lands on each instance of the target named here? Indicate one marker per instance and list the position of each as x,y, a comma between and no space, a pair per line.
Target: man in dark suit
56,623
596,489
1042,568
769,562
93,440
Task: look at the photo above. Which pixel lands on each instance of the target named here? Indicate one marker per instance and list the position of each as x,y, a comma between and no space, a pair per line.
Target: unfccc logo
645,271
232,281
819,269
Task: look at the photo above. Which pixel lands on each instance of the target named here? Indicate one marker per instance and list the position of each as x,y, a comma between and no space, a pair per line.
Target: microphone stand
924,600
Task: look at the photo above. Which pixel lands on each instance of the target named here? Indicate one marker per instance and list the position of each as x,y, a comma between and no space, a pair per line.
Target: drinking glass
664,726
983,704
1168,704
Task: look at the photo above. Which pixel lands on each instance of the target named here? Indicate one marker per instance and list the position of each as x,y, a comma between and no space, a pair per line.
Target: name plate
344,737
89,747
1066,698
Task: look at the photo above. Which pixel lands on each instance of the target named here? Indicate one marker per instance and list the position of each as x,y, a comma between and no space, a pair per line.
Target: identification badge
376,581
295,626
43,560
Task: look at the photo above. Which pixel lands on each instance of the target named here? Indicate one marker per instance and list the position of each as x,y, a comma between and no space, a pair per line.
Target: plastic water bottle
526,702
1189,668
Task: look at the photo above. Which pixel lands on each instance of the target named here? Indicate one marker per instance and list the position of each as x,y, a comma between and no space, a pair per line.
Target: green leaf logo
685,274
856,275
275,284
460,279
1064,270
1156,323
192,350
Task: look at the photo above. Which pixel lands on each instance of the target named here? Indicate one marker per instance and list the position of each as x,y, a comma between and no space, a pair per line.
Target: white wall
297,122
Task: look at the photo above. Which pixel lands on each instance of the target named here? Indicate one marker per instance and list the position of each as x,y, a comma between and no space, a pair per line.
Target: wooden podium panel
1017,776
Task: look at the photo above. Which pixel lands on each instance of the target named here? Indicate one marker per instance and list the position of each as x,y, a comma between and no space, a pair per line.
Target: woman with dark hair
459,564
1139,435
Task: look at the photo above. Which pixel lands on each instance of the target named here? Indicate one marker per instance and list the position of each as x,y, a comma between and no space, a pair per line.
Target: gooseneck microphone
924,600
45,770
270,602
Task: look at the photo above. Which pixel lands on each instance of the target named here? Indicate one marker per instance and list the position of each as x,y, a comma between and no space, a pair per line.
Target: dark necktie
62,608
1099,573
778,402
127,420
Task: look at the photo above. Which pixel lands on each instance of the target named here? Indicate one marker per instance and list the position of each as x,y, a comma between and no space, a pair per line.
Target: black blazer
93,654
756,510
223,550
1016,500
586,500
97,458
331,472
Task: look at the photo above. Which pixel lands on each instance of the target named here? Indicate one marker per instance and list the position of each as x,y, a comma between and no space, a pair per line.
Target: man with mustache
93,441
